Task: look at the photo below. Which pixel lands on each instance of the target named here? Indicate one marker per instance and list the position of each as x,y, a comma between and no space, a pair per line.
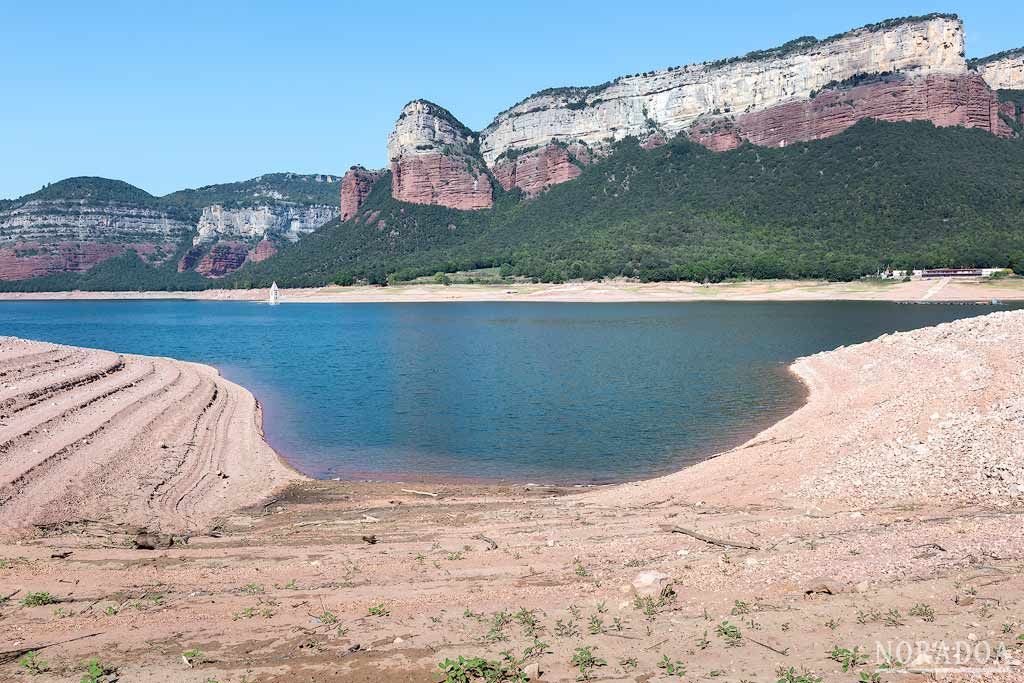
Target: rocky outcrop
355,188
1003,71
56,221
282,219
669,101
895,70
946,100
22,260
222,259
434,160
262,251
536,170
45,236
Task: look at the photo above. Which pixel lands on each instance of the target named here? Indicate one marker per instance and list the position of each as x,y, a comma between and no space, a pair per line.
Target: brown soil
898,490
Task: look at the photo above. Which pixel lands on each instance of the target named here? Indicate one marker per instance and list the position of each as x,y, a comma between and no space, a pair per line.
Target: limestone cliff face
355,188
671,100
282,219
1004,71
946,100
896,70
434,160
41,237
536,170
80,221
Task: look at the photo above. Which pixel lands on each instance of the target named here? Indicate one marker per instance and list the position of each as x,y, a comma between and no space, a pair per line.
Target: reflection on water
521,391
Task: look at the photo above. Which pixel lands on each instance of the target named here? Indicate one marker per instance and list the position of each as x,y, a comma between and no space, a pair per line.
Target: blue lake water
552,392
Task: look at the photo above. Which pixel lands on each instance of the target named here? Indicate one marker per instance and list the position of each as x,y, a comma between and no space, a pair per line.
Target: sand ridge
135,441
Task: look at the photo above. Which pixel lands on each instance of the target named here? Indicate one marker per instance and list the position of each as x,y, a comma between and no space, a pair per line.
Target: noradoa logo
940,656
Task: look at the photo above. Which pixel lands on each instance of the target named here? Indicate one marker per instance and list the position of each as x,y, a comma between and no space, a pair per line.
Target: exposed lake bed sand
610,291
887,509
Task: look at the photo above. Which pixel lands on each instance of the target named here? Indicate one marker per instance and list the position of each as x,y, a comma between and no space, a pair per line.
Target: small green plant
848,659
740,608
468,669
629,663
379,610
586,661
253,589
193,656
37,599
580,570
702,642
291,585
790,675
832,624
596,626
112,610
95,670
672,668
870,677
893,618
328,618
33,664
453,557
868,616
61,613
730,634
922,610
566,629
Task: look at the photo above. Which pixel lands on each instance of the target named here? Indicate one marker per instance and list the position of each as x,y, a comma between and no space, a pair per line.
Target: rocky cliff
355,188
77,223
282,219
945,100
896,70
533,171
1002,71
434,160
670,100
73,225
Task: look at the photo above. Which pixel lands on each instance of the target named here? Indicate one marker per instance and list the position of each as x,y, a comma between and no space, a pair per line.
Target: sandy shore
131,440
1006,289
888,509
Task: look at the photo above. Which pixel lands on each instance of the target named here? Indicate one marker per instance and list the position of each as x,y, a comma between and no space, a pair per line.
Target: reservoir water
554,392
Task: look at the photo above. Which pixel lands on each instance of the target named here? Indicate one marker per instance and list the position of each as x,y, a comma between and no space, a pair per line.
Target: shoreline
869,500
946,290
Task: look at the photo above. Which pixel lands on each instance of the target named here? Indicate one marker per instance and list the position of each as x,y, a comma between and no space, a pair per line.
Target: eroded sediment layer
132,440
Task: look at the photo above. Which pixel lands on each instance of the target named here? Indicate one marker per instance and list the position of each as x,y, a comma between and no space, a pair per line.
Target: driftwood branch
766,646
10,655
672,528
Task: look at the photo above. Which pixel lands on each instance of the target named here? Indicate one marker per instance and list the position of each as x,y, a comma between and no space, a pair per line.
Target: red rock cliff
223,258
535,171
355,188
962,100
23,260
434,160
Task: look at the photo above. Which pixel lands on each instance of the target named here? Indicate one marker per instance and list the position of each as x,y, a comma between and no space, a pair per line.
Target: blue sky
167,95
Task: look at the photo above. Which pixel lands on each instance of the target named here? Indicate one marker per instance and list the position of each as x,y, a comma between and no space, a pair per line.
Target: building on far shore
931,273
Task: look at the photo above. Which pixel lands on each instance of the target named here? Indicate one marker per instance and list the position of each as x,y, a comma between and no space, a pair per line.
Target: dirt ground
620,290
882,518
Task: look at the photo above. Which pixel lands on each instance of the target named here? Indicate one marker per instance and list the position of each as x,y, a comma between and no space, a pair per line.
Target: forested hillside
878,194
